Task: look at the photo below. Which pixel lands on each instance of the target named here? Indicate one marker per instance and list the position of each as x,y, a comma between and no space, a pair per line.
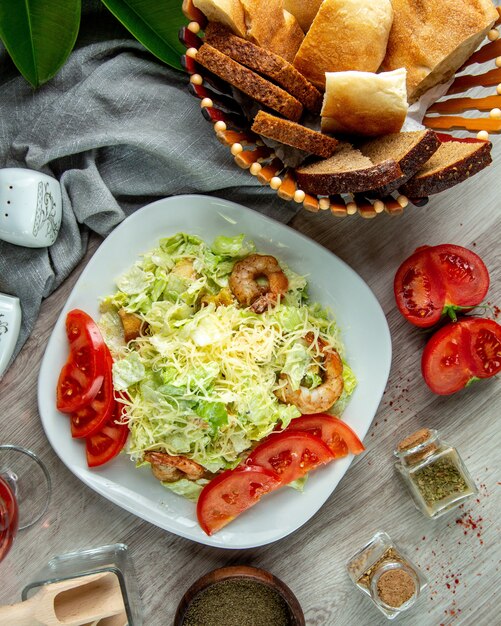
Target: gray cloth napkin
118,129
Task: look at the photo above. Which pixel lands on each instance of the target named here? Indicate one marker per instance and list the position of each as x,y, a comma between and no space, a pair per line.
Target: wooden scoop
115,620
73,602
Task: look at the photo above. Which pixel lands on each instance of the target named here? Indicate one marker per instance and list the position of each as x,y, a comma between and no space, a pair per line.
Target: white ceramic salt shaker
30,207
10,323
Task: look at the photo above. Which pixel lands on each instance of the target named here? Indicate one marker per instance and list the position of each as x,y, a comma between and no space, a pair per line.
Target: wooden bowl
241,572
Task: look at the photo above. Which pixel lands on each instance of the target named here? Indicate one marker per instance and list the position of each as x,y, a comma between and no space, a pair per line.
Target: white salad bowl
331,282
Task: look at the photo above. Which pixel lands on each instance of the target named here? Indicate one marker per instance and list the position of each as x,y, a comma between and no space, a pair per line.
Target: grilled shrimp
168,468
320,398
244,282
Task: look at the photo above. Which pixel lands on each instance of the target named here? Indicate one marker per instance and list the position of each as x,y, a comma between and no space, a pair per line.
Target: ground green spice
438,480
238,602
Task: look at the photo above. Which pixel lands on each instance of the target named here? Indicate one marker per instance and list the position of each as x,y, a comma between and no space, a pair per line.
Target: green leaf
214,412
39,35
155,24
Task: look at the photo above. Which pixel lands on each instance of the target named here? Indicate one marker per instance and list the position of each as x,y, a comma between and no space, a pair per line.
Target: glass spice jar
433,472
383,572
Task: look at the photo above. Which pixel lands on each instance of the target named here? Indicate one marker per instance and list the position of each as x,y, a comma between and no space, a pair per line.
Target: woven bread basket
472,105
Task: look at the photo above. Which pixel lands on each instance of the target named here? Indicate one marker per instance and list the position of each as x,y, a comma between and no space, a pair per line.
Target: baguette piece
347,171
250,83
410,150
303,10
266,63
345,35
433,38
294,135
453,162
263,18
364,103
227,12
287,40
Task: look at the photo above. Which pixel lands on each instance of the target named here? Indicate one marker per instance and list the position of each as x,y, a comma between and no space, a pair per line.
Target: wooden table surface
460,553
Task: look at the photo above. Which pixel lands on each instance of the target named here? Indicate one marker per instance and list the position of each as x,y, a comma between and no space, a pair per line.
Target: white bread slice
345,35
227,12
433,38
364,103
303,10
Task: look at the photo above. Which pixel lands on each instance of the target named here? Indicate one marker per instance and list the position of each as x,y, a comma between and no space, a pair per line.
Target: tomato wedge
91,418
231,493
107,443
438,280
291,454
82,375
461,352
338,436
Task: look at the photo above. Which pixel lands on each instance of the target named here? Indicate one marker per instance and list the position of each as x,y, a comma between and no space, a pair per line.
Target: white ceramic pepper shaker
30,207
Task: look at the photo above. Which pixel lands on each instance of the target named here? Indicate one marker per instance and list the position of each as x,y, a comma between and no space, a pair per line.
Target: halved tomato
231,493
461,352
91,418
82,375
438,280
107,443
338,436
290,454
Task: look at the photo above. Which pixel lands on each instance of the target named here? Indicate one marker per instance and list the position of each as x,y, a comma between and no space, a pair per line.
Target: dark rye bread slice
294,135
266,63
410,150
250,83
347,171
453,162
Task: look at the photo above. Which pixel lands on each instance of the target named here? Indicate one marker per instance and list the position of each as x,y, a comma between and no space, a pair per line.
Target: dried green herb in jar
434,472
439,480
238,602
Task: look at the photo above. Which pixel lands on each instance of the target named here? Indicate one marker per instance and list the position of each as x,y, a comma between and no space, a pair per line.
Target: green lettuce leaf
128,371
187,488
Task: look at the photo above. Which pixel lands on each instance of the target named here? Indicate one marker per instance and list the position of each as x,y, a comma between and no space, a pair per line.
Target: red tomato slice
460,352
464,273
231,493
420,296
82,375
290,454
107,443
437,280
338,436
91,418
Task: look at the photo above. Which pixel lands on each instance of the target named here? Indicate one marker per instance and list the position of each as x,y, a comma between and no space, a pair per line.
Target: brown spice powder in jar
389,555
395,587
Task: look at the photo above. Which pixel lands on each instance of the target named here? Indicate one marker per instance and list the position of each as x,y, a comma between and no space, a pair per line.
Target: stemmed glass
25,489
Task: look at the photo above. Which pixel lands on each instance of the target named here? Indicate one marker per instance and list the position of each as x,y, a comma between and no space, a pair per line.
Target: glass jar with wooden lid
433,472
